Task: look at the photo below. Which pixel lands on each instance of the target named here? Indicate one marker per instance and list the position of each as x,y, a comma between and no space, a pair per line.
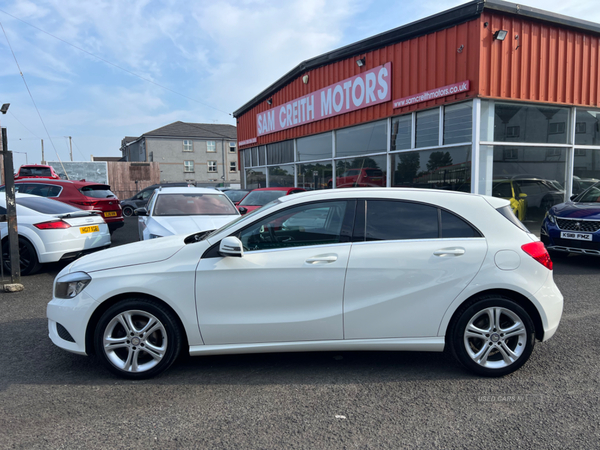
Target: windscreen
591,195
97,191
236,196
261,198
193,205
46,205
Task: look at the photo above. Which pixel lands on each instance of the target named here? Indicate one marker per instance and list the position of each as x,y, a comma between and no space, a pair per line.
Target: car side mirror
572,197
140,212
243,210
522,195
231,246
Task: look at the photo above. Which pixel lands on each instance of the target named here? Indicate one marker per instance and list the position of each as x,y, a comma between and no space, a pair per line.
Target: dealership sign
445,91
367,89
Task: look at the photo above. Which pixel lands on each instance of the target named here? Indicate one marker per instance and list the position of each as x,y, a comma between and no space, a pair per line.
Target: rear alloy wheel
27,257
137,338
127,211
493,336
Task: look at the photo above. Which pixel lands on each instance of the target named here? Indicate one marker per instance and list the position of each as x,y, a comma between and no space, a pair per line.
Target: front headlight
155,236
551,217
71,285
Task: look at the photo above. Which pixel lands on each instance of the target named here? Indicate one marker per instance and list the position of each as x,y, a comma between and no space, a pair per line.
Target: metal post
70,148
43,160
11,216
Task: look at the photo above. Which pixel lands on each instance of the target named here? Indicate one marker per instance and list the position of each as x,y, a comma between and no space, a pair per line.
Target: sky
100,70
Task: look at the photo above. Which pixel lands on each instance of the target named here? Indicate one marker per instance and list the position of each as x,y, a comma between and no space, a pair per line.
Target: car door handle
449,252
322,259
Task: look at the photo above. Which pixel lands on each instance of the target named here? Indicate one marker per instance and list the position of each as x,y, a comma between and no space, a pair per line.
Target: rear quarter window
395,220
507,212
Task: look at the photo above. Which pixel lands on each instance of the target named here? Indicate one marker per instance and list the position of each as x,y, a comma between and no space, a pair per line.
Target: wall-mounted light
361,62
4,108
270,101
305,79
460,49
500,35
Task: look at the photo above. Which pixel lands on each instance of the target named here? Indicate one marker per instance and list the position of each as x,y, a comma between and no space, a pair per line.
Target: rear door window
393,220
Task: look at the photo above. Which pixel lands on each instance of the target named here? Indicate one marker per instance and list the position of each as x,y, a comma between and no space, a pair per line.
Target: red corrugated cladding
546,63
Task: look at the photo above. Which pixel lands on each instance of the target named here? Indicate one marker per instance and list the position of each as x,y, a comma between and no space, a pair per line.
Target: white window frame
232,166
232,147
211,166
188,166
211,145
188,146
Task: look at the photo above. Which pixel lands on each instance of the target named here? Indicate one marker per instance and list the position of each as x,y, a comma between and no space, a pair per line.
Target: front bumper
67,322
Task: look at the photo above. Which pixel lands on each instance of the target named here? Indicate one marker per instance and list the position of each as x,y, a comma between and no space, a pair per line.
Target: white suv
348,269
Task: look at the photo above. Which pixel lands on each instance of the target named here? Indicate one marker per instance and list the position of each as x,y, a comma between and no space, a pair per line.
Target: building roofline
440,21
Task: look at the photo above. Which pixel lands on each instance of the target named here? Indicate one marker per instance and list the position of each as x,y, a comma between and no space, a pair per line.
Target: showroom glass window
315,175
458,123
315,147
401,132
368,171
515,122
446,168
362,139
587,127
256,178
281,176
586,170
311,224
280,152
428,128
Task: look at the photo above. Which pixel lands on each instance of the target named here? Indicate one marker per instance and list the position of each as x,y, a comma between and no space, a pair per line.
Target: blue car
574,226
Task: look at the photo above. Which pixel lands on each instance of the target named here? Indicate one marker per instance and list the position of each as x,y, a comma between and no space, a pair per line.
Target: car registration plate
91,229
577,236
110,214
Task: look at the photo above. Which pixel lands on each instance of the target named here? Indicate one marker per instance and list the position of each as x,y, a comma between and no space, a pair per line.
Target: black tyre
492,336
127,211
138,338
27,257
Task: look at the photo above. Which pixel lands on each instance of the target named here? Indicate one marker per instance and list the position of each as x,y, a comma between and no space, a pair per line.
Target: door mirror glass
231,246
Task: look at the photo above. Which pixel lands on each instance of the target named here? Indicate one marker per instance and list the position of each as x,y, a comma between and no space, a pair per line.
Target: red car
367,177
82,194
36,171
260,197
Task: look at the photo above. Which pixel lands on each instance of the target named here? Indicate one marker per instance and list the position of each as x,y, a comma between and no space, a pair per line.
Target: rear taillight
538,251
86,203
54,225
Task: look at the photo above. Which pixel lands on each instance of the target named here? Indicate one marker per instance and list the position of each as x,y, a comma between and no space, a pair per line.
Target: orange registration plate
91,229
110,214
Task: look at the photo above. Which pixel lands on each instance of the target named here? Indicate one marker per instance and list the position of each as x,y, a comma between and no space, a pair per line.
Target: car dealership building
489,97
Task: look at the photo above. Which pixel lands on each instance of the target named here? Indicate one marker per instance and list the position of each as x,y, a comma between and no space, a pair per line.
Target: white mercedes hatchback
184,210
349,269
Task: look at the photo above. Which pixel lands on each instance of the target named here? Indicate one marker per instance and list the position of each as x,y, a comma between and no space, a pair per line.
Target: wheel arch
518,298
105,305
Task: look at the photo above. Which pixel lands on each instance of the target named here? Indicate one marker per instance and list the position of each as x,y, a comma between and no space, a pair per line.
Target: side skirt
429,344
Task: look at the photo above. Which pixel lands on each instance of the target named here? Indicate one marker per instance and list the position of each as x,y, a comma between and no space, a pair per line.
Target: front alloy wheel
137,338
493,336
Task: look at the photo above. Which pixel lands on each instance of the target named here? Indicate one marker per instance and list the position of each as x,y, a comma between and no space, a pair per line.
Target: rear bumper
551,301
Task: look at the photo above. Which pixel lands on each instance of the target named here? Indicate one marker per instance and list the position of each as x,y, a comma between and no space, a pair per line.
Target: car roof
276,189
189,190
74,183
